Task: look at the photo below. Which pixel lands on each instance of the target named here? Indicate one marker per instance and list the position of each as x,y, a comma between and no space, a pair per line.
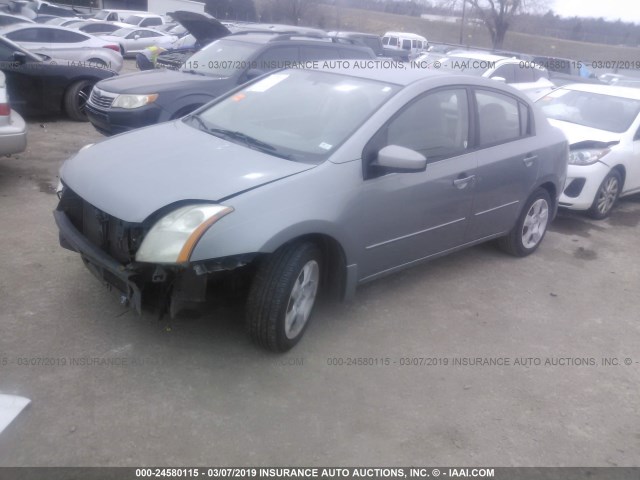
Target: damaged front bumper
182,285
110,272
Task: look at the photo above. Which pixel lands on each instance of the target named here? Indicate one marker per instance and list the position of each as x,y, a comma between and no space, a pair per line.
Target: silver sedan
133,40
310,180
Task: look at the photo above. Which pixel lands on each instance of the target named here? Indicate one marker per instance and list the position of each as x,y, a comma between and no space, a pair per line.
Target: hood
158,81
133,175
204,28
577,134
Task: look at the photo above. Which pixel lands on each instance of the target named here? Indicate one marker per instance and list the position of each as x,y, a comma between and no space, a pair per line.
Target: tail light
5,109
115,48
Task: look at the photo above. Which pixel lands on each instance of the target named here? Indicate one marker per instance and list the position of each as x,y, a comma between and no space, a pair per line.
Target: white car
133,40
13,130
602,124
525,76
145,20
66,44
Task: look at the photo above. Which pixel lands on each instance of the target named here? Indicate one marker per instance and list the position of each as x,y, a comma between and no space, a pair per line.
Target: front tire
282,296
607,196
526,236
75,100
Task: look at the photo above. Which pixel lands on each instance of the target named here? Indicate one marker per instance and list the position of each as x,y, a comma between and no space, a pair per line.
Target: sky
626,10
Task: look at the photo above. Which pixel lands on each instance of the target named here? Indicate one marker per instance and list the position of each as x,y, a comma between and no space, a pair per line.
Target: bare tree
498,14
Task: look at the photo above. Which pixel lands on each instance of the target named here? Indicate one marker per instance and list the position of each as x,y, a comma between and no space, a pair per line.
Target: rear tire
282,296
526,236
75,100
607,196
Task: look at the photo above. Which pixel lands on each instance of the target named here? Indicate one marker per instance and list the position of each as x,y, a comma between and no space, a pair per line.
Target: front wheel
607,196
75,100
282,296
526,236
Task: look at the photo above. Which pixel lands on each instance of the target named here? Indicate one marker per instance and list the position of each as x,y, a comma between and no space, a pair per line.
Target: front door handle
529,159
461,182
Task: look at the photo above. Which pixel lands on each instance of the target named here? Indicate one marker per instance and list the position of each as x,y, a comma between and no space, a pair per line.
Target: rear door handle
529,159
463,182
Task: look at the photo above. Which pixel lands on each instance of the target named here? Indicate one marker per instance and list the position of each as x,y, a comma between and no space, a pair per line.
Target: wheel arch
333,258
623,174
553,191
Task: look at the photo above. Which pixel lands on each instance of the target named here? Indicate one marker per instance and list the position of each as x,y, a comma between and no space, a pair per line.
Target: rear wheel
526,236
75,100
282,296
607,196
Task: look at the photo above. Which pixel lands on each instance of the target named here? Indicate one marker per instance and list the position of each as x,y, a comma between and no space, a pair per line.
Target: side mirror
499,79
401,159
254,73
136,37
20,57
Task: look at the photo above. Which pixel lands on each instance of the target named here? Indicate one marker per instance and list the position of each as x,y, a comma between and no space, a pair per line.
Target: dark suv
149,97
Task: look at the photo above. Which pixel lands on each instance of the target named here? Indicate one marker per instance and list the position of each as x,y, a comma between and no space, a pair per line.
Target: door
507,162
411,216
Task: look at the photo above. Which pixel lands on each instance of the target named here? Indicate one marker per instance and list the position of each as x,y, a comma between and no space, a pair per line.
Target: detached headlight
586,157
173,237
134,101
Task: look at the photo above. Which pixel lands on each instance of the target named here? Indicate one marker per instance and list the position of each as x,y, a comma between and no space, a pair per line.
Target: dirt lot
119,389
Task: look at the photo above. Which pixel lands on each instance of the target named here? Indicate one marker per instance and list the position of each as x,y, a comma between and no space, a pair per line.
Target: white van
411,43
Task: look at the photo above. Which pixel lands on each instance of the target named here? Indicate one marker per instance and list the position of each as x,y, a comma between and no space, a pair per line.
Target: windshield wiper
248,140
193,72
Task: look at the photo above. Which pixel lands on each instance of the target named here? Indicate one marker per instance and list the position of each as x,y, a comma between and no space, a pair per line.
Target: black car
145,98
38,84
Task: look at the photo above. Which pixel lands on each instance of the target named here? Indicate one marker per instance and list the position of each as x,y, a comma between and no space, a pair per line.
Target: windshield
123,32
295,114
221,58
101,15
604,112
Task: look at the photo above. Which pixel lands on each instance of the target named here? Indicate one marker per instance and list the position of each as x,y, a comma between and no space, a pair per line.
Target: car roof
612,90
387,74
144,14
413,36
264,37
20,26
342,33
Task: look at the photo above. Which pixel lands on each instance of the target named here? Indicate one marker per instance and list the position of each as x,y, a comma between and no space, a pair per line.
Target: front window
222,58
604,112
295,114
